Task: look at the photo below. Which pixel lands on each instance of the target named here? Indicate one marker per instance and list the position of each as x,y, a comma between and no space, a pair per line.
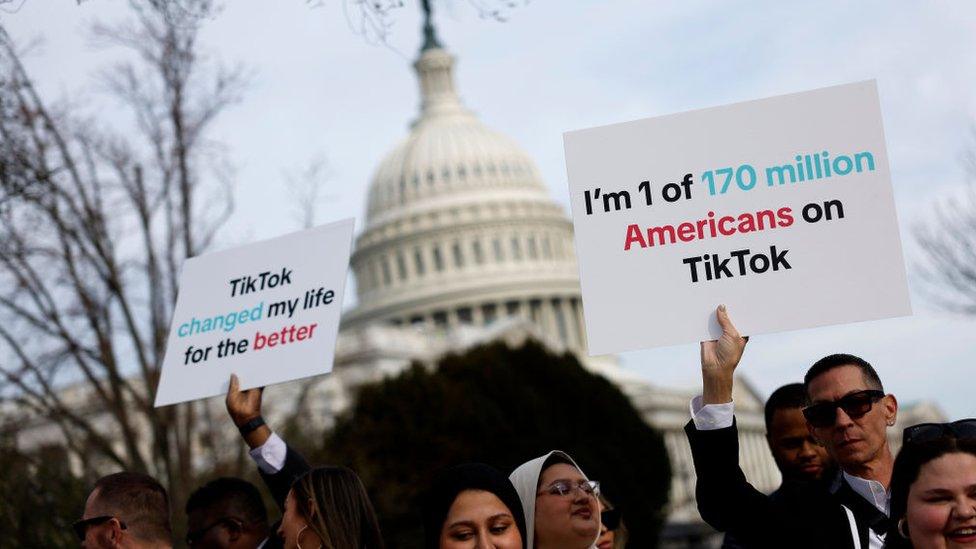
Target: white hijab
525,478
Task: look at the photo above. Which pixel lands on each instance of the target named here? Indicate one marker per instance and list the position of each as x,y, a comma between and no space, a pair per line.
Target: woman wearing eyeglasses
933,488
561,509
473,506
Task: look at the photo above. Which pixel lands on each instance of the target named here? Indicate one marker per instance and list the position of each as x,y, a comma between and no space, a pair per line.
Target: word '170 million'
807,167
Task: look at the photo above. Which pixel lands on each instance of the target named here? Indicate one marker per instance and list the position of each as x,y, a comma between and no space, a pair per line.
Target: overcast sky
318,88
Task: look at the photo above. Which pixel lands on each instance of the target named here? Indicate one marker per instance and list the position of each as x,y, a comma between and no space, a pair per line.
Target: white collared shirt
270,456
875,493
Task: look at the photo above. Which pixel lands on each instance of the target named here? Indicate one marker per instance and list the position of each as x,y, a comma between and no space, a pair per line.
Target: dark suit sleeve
725,498
280,482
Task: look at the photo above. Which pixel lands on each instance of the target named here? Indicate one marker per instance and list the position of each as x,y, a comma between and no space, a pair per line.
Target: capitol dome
460,228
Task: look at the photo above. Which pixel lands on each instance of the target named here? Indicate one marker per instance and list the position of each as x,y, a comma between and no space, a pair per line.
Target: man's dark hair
136,499
792,395
830,362
233,495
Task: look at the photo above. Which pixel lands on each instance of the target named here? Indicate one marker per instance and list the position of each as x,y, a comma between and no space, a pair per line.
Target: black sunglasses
855,405
926,432
610,518
81,526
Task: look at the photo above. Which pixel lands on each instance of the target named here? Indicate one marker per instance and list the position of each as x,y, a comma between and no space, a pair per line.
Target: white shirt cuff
270,456
709,417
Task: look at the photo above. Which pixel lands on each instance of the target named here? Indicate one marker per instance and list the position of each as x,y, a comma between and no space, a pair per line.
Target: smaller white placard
268,312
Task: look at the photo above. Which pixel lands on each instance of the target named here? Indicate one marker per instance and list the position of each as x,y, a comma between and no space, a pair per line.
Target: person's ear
311,509
114,533
890,409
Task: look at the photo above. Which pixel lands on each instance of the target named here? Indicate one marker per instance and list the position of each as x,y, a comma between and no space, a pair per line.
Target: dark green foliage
39,499
501,406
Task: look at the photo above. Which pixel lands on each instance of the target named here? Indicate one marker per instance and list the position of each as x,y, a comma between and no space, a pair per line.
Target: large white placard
268,311
780,208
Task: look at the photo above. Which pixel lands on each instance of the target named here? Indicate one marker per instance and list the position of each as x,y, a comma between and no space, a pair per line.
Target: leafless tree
94,225
305,189
948,246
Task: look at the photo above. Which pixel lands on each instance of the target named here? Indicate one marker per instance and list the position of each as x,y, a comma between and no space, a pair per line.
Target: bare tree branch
947,239
95,223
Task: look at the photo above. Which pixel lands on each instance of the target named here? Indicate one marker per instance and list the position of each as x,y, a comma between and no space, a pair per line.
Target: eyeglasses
926,432
855,405
197,535
81,526
566,487
610,518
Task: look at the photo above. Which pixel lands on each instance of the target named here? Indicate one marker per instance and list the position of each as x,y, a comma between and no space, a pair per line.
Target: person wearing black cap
473,506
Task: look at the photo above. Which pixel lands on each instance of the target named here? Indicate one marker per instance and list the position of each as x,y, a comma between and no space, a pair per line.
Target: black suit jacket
801,515
279,484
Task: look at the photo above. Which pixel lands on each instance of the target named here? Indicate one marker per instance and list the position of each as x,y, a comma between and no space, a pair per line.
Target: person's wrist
716,387
241,417
249,423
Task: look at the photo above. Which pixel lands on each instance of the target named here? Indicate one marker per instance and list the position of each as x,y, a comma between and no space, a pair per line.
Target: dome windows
387,276
533,249
479,256
458,255
401,266
546,247
516,249
438,259
418,261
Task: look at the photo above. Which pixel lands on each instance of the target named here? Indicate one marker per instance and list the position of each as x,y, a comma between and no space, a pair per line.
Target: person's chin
810,471
585,527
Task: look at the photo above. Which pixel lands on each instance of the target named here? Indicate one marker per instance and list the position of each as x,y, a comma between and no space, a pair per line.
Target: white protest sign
268,312
780,208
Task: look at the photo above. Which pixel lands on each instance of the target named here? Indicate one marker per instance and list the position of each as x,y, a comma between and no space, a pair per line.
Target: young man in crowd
227,513
849,414
126,511
800,459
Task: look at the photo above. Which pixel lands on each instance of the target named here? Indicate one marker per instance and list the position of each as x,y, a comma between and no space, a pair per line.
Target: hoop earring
298,541
902,528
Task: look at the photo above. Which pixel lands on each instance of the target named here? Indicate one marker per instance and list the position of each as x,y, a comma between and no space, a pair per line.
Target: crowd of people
842,486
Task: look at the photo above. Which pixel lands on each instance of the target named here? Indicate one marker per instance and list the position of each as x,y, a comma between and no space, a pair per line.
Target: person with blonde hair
323,507
328,508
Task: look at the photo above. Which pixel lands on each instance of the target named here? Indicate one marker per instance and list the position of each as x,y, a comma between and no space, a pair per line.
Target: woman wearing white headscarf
560,503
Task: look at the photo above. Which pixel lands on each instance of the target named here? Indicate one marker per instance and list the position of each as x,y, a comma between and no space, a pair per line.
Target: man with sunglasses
126,511
849,413
851,510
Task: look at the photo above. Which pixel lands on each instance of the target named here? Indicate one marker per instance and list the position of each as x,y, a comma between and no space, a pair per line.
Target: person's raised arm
719,359
277,462
244,408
